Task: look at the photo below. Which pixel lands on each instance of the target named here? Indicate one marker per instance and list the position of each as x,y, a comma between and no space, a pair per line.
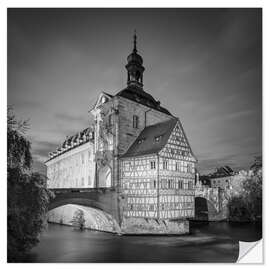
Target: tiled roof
222,172
73,142
139,95
152,139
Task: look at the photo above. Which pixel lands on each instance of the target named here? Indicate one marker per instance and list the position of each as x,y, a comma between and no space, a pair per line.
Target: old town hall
134,145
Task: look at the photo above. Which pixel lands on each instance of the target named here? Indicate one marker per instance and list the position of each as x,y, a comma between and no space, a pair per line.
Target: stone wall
154,226
147,116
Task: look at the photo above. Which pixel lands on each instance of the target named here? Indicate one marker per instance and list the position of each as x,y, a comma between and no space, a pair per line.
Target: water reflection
213,242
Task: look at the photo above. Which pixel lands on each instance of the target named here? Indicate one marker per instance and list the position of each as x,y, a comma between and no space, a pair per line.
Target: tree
252,193
28,197
247,206
18,155
78,219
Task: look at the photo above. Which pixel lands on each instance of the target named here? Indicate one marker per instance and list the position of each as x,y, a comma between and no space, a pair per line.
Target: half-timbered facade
158,173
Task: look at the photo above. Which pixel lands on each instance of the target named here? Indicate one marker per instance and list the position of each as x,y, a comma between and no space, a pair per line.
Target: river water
207,242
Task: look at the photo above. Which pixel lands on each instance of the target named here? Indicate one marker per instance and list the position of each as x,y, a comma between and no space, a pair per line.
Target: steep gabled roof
152,139
140,96
222,172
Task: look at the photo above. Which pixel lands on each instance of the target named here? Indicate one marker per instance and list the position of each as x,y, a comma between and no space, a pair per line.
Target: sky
204,65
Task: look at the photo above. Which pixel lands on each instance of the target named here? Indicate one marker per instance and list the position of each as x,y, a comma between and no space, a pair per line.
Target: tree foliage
248,205
28,197
19,149
78,220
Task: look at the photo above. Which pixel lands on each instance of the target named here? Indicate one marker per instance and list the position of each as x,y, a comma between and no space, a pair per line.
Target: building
157,173
222,177
134,145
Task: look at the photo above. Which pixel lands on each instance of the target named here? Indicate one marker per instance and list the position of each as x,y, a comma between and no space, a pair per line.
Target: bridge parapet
67,190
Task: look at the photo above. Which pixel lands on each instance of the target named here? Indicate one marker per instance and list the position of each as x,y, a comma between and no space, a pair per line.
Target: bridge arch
95,218
204,209
101,203
78,201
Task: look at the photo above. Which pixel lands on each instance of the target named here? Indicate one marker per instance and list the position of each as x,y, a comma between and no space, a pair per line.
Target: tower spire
134,66
135,42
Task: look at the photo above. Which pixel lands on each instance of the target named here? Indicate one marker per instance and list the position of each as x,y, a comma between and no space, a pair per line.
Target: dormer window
135,121
103,99
158,138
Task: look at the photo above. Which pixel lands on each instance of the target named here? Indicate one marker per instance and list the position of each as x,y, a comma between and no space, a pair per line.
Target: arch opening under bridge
99,205
204,209
95,219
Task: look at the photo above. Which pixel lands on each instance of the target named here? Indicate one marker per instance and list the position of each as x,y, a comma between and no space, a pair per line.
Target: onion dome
134,57
134,66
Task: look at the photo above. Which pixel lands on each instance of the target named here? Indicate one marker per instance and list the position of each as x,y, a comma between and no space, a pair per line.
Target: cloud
22,104
68,118
208,165
39,167
238,114
41,149
204,65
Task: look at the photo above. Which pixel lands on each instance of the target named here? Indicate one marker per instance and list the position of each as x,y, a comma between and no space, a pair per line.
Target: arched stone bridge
210,204
104,203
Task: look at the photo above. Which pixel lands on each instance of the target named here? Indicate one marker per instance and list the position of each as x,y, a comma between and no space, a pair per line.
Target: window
165,165
155,184
180,184
82,159
82,182
189,168
190,185
110,122
152,165
158,138
177,166
89,180
103,99
135,121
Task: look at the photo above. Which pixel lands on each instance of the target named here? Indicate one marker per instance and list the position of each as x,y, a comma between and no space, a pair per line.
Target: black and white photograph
134,135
